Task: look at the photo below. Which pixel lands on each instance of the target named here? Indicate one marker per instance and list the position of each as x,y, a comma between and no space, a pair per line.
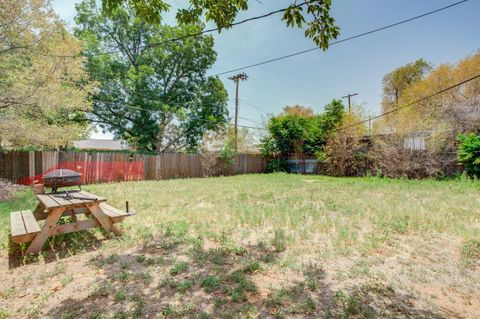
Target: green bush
277,165
468,153
298,130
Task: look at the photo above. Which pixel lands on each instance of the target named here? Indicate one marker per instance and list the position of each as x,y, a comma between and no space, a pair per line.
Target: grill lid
59,173
62,178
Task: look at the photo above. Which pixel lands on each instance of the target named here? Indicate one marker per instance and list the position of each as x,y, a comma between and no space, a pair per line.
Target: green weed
179,268
149,261
65,280
210,283
4,313
101,261
471,254
252,267
120,295
124,276
185,285
279,240
103,289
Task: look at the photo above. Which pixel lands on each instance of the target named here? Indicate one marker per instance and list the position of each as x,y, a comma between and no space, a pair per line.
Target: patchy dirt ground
179,277
8,189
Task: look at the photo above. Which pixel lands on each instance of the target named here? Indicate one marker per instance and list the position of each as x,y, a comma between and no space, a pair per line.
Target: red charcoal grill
62,178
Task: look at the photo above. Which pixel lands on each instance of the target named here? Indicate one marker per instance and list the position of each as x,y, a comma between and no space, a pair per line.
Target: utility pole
349,96
369,125
237,78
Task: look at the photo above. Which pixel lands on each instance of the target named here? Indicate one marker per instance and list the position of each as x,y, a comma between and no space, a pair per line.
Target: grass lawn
274,246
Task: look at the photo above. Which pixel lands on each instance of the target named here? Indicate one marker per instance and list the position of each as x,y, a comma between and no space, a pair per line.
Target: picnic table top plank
47,201
17,226
60,197
61,201
90,196
73,201
55,200
30,222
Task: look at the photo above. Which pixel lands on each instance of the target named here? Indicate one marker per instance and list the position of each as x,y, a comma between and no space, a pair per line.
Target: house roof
101,144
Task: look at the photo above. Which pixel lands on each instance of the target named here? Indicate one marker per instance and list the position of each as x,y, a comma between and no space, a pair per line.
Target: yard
254,246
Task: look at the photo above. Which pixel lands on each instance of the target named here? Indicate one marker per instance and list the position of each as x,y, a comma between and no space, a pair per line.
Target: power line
252,127
249,120
255,107
137,107
225,26
197,34
411,103
181,104
371,118
198,120
344,40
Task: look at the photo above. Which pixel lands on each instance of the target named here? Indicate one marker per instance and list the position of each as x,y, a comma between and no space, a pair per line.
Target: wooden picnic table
53,206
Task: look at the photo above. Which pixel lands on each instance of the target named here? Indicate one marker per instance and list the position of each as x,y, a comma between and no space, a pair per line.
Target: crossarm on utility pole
349,96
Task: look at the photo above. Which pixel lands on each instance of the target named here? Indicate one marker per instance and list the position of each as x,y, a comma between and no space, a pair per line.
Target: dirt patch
8,189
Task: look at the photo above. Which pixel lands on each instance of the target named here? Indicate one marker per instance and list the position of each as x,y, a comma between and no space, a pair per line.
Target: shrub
277,165
389,157
468,153
227,155
344,152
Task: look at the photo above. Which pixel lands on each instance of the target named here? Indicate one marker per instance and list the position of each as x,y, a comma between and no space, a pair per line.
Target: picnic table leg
52,219
38,212
102,218
73,216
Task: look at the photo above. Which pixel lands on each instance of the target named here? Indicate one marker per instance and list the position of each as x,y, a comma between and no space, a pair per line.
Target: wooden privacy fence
101,167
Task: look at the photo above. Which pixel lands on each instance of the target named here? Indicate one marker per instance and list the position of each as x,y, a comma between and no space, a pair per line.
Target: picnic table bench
52,206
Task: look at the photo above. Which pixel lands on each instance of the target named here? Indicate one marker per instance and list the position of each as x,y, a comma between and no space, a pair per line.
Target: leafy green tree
156,97
43,84
332,117
300,132
313,16
468,153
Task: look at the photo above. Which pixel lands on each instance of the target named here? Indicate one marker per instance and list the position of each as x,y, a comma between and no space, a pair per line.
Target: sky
357,66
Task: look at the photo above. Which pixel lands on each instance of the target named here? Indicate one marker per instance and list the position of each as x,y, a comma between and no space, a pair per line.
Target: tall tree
457,109
397,81
43,85
312,15
156,97
298,110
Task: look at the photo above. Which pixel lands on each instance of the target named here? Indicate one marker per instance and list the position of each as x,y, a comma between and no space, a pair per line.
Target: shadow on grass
177,278
57,247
